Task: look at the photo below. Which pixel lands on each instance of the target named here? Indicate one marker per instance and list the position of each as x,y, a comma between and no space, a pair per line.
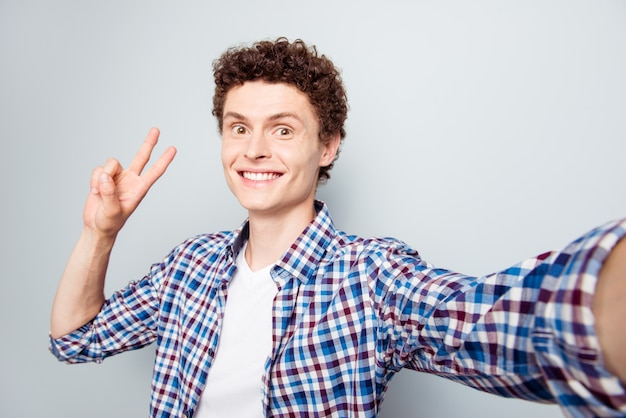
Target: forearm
609,308
80,293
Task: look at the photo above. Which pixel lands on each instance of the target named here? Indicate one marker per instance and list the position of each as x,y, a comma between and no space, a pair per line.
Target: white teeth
260,176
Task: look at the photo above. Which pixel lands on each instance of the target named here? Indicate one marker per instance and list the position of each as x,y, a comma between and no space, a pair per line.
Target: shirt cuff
72,347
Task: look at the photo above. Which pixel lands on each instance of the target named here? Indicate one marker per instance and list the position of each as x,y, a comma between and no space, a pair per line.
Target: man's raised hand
116,192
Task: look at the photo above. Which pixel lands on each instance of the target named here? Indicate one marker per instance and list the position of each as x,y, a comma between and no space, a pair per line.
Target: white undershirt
234,387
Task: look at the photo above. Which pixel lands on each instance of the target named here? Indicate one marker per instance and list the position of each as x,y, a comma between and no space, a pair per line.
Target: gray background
481,132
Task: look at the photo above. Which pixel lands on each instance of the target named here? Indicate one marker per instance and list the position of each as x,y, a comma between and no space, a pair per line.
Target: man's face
271,152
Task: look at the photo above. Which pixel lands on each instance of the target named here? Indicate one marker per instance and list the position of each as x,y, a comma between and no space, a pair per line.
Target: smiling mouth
259,176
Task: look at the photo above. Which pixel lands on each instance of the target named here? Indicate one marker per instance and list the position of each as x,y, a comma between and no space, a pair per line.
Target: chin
254,204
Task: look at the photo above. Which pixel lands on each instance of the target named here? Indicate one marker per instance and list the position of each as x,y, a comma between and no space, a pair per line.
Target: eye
283,132
239,130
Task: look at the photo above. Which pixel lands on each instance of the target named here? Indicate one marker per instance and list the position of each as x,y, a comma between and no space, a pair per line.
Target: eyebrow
284,115
234,115
277,116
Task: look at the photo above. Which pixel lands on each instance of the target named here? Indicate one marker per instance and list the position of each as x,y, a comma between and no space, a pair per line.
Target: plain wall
481,132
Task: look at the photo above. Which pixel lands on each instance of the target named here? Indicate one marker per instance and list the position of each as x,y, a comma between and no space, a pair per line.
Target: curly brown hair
293,63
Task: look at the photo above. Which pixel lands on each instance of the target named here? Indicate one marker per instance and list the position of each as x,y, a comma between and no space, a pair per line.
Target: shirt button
211,352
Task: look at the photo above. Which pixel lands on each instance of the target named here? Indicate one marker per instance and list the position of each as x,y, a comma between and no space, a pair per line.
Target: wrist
96,242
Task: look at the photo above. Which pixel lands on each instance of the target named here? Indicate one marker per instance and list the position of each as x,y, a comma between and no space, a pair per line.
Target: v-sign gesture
116,192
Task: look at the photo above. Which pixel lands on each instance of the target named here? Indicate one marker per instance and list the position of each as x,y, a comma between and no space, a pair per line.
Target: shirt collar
307,251
311,247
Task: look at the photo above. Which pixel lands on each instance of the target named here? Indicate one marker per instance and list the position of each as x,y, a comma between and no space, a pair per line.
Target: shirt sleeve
127,321
526,332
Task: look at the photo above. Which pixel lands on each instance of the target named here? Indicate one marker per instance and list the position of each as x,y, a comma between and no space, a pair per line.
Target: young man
288,316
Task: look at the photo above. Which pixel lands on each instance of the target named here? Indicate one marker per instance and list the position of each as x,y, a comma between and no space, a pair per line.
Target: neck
271,236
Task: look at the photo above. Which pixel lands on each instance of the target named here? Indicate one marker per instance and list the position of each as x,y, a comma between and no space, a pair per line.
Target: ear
329,150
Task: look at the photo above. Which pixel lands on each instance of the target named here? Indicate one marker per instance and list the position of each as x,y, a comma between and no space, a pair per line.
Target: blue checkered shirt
351,312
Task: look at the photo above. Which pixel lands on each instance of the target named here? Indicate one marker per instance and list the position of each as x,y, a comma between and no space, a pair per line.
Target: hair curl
293,63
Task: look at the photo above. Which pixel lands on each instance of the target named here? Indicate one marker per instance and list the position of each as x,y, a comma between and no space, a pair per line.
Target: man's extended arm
609,308
115,194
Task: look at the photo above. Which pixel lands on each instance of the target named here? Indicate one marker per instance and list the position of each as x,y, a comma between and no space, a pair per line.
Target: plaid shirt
351,312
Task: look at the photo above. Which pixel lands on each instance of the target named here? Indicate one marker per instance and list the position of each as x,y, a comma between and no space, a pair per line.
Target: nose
258,147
